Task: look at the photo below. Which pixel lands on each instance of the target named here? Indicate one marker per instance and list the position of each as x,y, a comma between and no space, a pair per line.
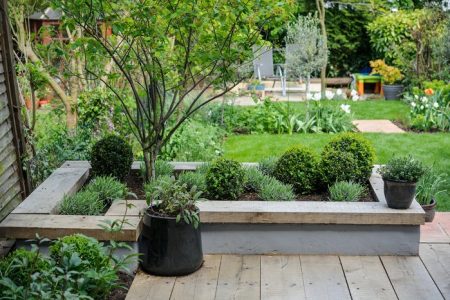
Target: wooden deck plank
46,198
202,284
366,278
410,278
25,226
239,277
281,278
436,258
323,277
148,287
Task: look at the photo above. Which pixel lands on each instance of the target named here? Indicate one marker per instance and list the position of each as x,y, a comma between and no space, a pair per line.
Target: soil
125,281
406,128
135,184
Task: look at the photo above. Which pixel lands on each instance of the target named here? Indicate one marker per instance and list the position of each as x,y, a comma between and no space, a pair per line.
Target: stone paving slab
383,126
438,231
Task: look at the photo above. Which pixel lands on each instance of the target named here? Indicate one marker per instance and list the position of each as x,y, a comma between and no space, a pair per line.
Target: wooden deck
426,276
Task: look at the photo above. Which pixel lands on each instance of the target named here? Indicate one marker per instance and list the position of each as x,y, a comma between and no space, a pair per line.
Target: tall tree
171,54
320,4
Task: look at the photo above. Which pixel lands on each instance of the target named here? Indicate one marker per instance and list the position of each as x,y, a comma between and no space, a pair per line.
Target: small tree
307,52
173,56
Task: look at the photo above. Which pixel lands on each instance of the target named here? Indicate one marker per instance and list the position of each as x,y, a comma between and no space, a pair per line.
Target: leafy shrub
163,168
225,179
191,179
90,251
111,156
403,168
108,189
274,190
77,268
267,165
85,202
194,141
19,265
348,157
431,184
175,200
346,191
298,167
389,74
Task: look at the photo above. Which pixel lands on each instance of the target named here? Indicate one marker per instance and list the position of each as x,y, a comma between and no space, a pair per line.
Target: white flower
354,93
436,105
416,97
309,96
424,99
345,108
316,97
355,98
421,107
413,104
339,92
329,95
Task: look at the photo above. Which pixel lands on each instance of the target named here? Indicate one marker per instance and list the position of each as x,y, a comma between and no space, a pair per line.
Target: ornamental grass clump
108,189
85,202
431,184
192,179
402,169
225,180
111,156
299,168
274,190
348,157
346,191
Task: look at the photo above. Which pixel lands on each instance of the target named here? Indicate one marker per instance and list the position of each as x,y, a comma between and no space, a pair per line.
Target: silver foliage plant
305,48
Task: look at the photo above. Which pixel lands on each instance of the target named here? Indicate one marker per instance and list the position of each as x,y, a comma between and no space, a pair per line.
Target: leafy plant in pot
392,89
429,186
170,241
400,176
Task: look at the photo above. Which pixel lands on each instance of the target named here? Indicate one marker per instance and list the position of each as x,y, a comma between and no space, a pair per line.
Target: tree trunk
308,84
323,72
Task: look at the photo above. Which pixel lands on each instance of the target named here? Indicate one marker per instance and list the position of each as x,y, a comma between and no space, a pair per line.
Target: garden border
235,227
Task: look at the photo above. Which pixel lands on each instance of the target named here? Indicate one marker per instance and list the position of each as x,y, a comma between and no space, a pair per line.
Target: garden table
366,78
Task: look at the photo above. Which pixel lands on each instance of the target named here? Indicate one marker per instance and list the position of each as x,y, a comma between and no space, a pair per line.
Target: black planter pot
392,92
430,210
169,248
399,194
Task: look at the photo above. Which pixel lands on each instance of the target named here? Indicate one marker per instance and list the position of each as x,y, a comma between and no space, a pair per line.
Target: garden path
426,276
383,126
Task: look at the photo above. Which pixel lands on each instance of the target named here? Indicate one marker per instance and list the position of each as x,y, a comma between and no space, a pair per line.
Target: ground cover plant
77,267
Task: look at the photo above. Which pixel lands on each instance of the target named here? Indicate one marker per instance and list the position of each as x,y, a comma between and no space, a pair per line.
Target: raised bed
236,227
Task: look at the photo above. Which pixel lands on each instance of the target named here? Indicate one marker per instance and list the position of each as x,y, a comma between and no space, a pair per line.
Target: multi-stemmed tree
174,56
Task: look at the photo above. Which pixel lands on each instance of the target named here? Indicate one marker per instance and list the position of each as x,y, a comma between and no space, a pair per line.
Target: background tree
308,52
171,54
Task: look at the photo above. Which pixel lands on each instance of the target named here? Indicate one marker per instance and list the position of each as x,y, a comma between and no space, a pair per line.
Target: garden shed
13,186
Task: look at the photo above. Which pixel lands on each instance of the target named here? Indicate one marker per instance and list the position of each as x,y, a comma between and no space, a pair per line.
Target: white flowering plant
428,110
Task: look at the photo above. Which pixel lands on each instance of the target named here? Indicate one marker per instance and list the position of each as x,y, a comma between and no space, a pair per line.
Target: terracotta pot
430,210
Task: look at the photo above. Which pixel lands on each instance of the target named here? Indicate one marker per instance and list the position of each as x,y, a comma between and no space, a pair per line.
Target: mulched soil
405,127
135,184
125,280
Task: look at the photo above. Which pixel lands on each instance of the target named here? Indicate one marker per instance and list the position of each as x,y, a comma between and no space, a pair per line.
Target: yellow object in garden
390,74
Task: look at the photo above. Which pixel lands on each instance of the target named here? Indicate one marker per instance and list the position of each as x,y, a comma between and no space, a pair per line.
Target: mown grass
431,148
366,110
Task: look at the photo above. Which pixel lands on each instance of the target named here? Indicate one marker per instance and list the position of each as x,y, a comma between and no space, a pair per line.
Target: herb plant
403,168
267,165
346,191
169,198
192,179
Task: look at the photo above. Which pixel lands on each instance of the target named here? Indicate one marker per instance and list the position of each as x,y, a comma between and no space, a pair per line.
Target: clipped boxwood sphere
348,157
111,156
298,167
225,179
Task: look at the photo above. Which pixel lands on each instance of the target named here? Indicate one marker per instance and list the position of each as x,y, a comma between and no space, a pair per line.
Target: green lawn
428,147
367,110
